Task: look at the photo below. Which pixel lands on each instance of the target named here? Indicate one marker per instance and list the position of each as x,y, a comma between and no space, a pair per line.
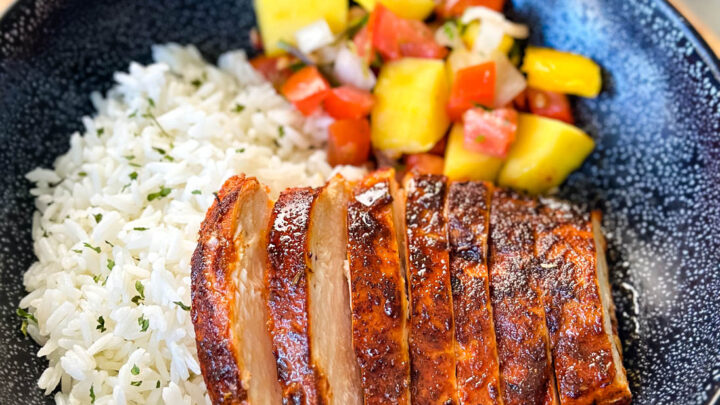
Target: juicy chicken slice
468,215
330,318
526,372
432,351
228,309
377,290
579,308
288,297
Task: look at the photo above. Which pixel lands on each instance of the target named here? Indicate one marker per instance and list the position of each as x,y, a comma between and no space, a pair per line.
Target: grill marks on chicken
377,291
287,286
432,354
468,215
228,309
585,348
522,338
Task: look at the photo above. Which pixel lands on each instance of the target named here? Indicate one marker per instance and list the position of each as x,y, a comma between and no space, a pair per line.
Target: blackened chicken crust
431,341
478,371
288,301
377,292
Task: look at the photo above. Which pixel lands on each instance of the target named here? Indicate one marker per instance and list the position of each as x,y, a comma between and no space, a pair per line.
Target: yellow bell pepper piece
412,9
471,32
545,152
280,19
562,72
463,164
409,113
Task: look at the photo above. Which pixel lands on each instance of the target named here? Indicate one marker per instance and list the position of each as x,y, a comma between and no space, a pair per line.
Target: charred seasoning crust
468,213
213,292
522,337
432,353
377,293
581,348
287,299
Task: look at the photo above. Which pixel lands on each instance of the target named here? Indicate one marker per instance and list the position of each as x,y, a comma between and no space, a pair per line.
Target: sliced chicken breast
578,307
526,372
431,340
377,290
478,372
288,298
228,309
330,318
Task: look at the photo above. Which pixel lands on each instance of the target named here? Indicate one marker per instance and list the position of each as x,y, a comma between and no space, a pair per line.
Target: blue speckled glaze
655,173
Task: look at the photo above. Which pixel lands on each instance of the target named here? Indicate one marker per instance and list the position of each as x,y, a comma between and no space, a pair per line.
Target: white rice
176,126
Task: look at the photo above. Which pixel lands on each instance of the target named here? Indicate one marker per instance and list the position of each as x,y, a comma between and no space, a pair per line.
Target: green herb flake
239,108
77,250
133,164
140,288
82,174
129,157
133,114
196,83
92,394
169,158
140,228
26,315
111,245
157,384
100,131
96,278
448,30
240,150
101,324
89,246
182,306
196,192
135,383
110,264
164,192
281,131
297,66
98,218
144,323
159,150
135,370
151,102
133,176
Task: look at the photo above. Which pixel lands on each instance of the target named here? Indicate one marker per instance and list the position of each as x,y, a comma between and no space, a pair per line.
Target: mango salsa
562,72
412,9
545,152
462,164
409,113
280,19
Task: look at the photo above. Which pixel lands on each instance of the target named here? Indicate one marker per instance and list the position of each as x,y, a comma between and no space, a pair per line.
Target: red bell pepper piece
490,132
348,102
473,85
550,104
349,142
306,89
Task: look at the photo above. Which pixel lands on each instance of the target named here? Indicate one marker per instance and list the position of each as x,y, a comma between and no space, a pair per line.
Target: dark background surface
655,172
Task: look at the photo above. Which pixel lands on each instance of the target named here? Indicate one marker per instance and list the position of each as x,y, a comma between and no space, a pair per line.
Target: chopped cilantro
159,150
129,157
196,192
100,131
133,114
89,246
144,323
110,264
151,102
135,370
133,176
157,384
181,305
101,324
98,218
77,250
140,228
140,288
26,318
96,278
92,394
240,150
164,191
135,383
196,83
111,245
239,108
169,158
82,174
448,30
133,164
281,131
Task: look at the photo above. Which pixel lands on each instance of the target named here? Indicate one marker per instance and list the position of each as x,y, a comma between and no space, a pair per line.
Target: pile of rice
117,220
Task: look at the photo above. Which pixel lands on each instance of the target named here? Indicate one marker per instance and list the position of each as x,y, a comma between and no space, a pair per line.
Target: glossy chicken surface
432,352
234,349
287,289
468,215
377,291
522,338
584,345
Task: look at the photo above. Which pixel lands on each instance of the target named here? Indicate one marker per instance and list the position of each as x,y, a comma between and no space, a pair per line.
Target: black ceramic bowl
655,173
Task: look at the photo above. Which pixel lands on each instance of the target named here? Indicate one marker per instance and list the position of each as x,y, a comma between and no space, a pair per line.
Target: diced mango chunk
545,152
562,72
412,9
462,164
409,113
280,19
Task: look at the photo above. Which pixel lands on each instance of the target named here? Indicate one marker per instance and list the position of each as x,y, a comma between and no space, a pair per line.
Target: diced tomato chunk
306,89
520,102
550,104
348,102
424,163
473,85
395,37
348,142
490,132
455,8
276,69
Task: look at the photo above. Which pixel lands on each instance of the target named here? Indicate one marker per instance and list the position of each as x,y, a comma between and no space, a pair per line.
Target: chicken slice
228,309
288,297
526,372
468,215
431,341
377,290
578,307
330,318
